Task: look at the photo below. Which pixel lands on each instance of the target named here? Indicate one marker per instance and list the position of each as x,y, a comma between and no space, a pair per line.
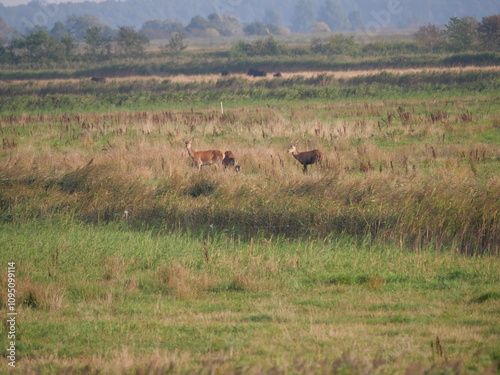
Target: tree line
99,43
339,15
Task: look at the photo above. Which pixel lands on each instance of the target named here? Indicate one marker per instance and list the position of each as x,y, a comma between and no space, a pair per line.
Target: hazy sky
19,2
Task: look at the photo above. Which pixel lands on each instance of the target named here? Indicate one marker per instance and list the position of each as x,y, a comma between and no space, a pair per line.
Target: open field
384,259
109,298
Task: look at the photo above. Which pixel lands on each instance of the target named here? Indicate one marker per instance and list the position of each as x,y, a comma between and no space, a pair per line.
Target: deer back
210,156
309,157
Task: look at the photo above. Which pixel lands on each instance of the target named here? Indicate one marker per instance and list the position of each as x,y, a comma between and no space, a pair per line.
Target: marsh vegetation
383,259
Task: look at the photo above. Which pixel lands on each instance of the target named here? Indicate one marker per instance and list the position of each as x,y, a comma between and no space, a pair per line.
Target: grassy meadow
383,259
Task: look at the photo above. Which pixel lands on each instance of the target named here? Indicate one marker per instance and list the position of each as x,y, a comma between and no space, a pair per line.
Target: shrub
202,186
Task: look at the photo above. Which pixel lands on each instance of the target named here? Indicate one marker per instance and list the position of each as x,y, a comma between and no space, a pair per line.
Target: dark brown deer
230,161
307,157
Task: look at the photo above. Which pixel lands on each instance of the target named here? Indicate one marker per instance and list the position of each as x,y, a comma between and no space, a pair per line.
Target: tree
69,44
462,33
268,46
198,23
226,25
7,32
303,18
320,27
489,32
5,56
272,17
256,28
337,44
161,29
98,46
78,25
39,46
261,47
130,42
331,14
58,31
176,44
241,48
429,37
356,20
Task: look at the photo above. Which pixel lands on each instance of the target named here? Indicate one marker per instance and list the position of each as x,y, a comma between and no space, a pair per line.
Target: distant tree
198,23
210,33
303,17
226,24
462,33
241,48
356,20
69,45
331,13
176,44
256,28
261,47
39,46
5,56
320,27
78,25
276,30
7,32
489,32
98,46
337,44
173,27
272,17
268,46
161,29
130,42
429,37
59,31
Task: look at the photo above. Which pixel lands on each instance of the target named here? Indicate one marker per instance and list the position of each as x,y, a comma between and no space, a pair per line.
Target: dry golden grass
375,152
179,281
182,78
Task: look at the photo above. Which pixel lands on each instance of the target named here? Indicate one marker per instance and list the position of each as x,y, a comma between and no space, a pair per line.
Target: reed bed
398,172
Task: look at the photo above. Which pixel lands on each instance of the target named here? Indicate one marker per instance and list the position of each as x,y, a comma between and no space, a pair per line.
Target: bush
261,47
336,45
202,186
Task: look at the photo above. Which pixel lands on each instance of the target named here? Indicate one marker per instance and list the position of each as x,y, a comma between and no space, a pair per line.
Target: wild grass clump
181,282
202,186
36,296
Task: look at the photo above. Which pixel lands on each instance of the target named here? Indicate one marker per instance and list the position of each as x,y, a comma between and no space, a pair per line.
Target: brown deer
307,157
230,161
201,158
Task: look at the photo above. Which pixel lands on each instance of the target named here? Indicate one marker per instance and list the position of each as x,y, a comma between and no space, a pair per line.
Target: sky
19,2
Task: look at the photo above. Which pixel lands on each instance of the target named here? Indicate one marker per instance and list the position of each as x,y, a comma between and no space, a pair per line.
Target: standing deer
201,158
307,157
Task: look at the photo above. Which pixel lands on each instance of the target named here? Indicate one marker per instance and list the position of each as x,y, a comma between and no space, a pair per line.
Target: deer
230,161
307,157
201,158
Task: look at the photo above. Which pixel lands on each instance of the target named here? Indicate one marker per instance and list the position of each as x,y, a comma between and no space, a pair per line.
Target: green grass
128,298
156,94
